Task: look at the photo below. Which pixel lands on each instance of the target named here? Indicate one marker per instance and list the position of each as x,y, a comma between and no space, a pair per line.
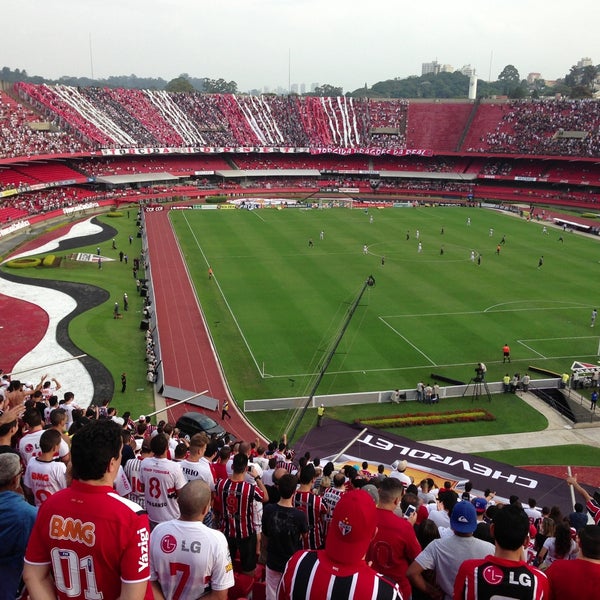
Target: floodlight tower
473,87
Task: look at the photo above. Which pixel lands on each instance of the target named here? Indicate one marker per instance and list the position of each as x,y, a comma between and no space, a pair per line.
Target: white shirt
132,471
200,469
403,477
440,517
122,485
185,555
161,479
45,478
29,446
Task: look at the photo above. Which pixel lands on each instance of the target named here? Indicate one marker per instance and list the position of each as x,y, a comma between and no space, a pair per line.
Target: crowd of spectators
288,514
538,127
130,118
19,138
116,118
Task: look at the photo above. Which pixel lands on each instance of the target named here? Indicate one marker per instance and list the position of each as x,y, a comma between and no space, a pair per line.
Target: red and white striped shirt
237,502
310,575
314,509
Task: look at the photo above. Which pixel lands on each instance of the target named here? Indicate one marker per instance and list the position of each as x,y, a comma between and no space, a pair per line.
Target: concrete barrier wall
454,391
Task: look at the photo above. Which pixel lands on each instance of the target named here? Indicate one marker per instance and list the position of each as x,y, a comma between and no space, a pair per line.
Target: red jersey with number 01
93,540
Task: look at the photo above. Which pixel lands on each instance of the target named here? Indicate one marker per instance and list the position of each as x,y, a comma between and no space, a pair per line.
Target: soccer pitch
276,303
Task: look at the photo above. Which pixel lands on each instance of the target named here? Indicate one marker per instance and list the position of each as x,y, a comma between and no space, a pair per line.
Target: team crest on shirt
168,543
344,526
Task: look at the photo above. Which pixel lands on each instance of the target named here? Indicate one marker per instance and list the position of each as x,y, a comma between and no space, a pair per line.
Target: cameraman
480,371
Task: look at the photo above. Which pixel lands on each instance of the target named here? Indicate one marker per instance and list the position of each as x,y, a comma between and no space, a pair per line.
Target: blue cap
480,504
463,518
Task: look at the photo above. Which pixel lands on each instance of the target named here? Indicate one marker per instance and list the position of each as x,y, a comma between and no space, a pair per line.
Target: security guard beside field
320,413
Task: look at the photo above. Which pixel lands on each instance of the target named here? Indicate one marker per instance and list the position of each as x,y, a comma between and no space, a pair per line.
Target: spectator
234,497
283,531
340,567
161,479
592,506
399,473
132,472
332,496
44,476
512,577
445,555
578,578
395,545
113,544
312,506
200,555
578,519
558,546
16,521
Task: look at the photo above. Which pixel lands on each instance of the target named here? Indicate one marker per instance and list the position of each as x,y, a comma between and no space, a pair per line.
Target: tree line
580,82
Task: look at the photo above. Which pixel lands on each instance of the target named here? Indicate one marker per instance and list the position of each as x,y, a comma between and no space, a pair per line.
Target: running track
189,359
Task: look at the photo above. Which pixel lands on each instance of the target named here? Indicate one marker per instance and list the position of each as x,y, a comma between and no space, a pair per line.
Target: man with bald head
187,559
274,495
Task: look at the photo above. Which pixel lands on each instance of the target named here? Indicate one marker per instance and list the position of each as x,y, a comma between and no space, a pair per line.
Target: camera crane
297,419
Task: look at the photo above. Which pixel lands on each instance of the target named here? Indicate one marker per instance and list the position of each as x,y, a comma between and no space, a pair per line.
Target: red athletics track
188,357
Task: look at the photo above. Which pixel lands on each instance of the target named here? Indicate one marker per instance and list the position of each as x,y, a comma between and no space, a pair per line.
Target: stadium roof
137,178
237,173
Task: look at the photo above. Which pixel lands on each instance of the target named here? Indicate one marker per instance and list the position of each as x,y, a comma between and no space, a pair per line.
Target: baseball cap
463,518
400,465
142,418
352,527
372,491
480,505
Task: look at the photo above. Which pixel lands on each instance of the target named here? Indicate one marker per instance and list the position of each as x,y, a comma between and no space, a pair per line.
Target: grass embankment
118,343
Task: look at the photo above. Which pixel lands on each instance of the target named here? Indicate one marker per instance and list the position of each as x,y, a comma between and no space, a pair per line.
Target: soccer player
339,572
506,353
594,315
87,541
188,560
505,574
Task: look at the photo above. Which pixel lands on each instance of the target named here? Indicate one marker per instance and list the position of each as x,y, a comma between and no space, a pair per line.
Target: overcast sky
344,43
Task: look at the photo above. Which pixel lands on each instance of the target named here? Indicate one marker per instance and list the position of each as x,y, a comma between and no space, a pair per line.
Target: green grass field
276,301
276,304
118,344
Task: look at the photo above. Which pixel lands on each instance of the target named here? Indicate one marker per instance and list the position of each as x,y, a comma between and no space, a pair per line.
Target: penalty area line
433,364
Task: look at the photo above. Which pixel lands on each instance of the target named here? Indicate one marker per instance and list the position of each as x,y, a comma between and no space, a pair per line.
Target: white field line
408,341
383,319
216,281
